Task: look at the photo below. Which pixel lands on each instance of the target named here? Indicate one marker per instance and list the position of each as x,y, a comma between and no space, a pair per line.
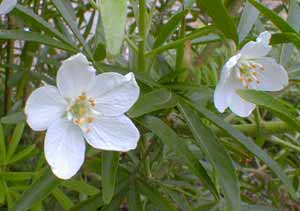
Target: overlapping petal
6,6
75,76
113,133
259,48
273,77
44,106
64,148
114,93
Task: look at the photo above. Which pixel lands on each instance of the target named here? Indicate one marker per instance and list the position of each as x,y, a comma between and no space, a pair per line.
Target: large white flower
249,69
6,6
83,106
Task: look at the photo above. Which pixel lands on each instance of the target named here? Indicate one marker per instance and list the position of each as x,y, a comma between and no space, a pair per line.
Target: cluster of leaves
189,157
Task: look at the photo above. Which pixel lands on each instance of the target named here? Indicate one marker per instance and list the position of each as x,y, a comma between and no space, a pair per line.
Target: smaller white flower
83,106
249,69
6,6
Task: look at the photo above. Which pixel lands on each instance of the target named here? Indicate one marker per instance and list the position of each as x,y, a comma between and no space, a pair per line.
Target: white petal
6,6
259,48
64,148
114,93
273,78
75,76
44,106
222,96
239,106
224,88
113,133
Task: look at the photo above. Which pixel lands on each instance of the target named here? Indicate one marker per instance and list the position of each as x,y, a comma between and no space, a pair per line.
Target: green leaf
62,198
248,19
258,208
168,29
34,37
155,197
36,21
293,20
204,31
15,140
113,14
216,153
171,139
152,101
2,146
217,11
65,9
22,155
110,162
13,118
133,197
286,37
80,187
37,192
17,176
276,106
90,204
276,20
247,143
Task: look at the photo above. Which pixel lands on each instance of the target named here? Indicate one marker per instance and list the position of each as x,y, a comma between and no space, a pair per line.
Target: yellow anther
82,97
92,102
90,119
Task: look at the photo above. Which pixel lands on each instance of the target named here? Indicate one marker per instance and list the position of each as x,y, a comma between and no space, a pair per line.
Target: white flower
6,6
249,69
83,106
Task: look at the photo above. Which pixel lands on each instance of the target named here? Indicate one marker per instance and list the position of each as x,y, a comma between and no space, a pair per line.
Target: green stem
142,34
266,128
285,143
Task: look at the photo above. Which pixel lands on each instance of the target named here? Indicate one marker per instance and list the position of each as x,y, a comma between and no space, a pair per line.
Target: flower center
81,111
248,72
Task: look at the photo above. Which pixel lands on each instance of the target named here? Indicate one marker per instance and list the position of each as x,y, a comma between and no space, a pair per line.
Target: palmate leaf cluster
190,157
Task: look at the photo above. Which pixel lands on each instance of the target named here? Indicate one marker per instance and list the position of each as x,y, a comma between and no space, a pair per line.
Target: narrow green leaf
154,196
34,37
247,143
37,192
258,208
2,146
248,19
13,118
217,11
204,31
62,198
286,37
152,101
15,140
90,204
276,20
133,197
17,176
113,14
276,106
35,20
216,153
80,187
110,162
168,29
171,139
65,9
22,155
